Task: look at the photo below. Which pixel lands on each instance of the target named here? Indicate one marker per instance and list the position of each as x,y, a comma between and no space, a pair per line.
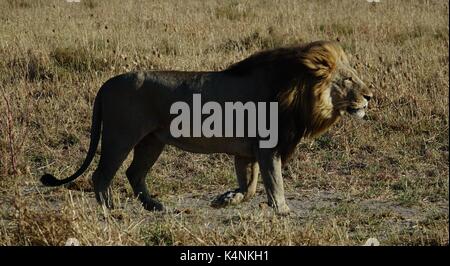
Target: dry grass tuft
78,60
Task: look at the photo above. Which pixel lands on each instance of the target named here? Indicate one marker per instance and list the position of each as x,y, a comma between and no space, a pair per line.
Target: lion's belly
233,146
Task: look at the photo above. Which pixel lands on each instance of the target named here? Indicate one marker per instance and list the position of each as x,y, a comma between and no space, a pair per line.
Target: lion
313,84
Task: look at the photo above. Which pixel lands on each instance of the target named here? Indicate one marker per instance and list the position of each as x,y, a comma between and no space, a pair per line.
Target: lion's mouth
358,112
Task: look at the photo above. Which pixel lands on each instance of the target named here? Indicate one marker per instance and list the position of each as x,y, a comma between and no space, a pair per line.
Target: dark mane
292,84
280,57
283,58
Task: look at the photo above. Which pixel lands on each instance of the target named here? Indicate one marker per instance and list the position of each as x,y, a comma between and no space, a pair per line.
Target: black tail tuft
50,181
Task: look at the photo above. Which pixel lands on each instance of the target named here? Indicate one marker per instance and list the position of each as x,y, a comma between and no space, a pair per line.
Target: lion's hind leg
114,151
110,161
146,153
247,171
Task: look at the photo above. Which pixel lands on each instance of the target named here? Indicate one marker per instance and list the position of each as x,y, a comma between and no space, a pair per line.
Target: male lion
313,84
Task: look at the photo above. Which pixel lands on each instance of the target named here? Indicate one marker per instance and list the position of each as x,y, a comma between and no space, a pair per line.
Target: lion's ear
320,59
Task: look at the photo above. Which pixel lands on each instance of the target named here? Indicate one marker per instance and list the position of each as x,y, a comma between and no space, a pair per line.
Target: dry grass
385,177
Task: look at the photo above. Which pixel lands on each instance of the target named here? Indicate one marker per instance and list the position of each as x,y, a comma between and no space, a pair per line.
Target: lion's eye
348,82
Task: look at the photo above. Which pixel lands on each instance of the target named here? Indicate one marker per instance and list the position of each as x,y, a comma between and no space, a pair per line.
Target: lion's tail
50,180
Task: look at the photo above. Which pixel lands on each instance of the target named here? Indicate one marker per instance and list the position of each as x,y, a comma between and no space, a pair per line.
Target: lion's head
318,99
336,87
314,85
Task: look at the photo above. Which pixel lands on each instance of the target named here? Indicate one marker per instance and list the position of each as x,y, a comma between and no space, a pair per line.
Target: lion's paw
228,198
282,210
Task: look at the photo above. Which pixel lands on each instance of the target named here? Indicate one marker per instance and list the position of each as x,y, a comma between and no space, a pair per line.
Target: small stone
372,242
72,242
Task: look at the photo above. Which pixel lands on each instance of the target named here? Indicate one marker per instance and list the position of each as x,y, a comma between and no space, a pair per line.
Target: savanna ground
384,177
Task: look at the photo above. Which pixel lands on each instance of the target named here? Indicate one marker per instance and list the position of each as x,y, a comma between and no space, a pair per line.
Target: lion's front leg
270,166
247,171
